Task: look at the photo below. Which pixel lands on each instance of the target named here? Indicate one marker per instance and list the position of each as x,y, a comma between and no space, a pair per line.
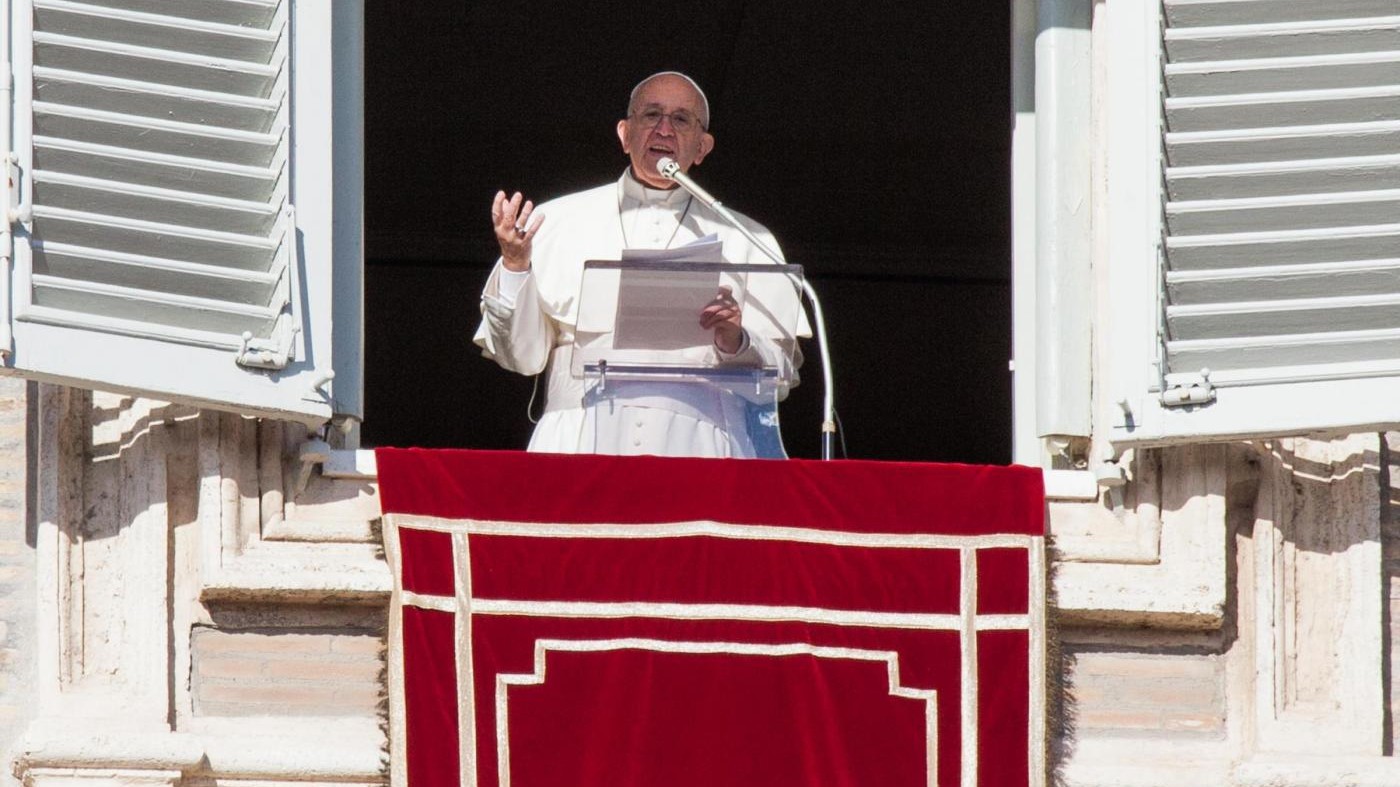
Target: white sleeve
515,334
509,284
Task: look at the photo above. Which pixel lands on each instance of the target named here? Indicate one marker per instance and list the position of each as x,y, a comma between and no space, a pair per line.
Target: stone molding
146,510
265,535
1151,552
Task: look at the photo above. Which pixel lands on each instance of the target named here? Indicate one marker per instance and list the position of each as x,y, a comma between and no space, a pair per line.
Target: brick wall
286,672
17,565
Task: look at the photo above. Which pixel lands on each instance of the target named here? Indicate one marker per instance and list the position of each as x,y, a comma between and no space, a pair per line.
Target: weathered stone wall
18,698
1390,542
211,611
1292,686
1134,684
289,670
1230,616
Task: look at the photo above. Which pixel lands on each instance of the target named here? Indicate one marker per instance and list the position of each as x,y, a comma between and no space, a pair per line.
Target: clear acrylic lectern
644,359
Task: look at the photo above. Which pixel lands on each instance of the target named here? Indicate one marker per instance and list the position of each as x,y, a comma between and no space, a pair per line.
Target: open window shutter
162,253
1281,249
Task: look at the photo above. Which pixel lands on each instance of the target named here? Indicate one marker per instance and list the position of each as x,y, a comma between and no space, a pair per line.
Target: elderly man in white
529,306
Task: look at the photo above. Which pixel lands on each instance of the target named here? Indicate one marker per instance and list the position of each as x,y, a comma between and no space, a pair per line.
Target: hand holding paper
659,309
723,316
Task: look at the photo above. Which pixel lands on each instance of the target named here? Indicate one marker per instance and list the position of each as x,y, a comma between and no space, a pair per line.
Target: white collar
637,191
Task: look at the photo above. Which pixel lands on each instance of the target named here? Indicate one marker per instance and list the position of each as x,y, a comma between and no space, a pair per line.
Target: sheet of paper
660,310
706,249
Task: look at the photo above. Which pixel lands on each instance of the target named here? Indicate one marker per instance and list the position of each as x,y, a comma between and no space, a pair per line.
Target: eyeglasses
681,120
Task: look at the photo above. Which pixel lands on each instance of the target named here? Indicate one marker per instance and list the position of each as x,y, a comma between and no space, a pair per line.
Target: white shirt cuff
743,347
508,286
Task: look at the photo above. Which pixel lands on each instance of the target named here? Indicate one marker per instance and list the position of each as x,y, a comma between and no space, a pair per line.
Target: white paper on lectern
660,310
706,249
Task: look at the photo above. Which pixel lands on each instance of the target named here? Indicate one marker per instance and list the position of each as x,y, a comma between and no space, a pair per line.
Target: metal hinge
277,350
273,353
1194,391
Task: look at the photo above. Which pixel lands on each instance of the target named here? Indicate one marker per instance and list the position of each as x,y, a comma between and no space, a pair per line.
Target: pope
529,305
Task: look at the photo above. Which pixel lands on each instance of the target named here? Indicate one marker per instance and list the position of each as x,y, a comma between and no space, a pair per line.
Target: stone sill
359,465
297,749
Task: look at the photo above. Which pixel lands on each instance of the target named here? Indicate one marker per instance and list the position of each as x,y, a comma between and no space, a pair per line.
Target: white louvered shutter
1281,216
155,141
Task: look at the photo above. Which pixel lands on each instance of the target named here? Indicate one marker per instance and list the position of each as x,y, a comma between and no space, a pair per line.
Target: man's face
647,142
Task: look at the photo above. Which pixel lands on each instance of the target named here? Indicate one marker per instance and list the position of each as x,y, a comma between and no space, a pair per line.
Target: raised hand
515,226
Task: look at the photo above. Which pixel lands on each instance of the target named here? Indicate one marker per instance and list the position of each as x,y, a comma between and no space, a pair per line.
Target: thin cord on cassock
530,405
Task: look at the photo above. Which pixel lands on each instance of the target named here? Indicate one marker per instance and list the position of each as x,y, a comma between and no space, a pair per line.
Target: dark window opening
872,138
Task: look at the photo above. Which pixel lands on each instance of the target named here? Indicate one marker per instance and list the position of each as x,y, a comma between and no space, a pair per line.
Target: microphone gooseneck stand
670,170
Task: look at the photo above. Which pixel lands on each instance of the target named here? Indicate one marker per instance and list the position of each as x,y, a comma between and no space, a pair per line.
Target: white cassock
528,324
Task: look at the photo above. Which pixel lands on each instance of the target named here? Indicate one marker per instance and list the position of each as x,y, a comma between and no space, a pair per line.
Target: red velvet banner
611,621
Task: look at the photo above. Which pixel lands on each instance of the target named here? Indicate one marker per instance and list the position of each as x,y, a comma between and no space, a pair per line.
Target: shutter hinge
273,353
1193,391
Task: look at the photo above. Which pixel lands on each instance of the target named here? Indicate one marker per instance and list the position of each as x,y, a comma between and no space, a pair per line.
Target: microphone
671,170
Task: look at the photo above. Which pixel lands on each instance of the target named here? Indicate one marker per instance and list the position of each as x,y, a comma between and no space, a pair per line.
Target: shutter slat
1207,13
1341,140
131,236
1233,77
195,280
149,100
1292,108
1248,249
133,201
1317,176
175,173
1263,214
155,31
1294,39
176,311
104,58
156,136
244,13
1320,355
1282,187
1278,282
1251,319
